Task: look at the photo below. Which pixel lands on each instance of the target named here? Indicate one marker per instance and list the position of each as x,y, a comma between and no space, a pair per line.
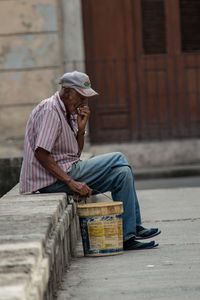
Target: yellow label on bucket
105,233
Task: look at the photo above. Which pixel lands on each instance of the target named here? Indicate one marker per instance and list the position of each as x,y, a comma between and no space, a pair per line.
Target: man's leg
109,172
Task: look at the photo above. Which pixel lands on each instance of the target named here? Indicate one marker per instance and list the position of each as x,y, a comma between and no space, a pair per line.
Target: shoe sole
142,248
150,247
147,237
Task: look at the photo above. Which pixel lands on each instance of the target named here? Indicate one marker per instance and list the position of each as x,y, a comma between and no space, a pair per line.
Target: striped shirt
48,128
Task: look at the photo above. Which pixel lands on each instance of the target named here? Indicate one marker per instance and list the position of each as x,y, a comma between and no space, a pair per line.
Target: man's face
74,101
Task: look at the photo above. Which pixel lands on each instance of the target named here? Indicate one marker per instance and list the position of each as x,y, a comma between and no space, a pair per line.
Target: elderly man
53,143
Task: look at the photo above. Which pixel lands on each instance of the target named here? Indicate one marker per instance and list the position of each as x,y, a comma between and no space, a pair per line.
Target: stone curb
23,271
38,234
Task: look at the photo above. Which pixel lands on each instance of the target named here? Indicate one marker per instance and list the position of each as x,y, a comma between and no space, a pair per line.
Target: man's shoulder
49,104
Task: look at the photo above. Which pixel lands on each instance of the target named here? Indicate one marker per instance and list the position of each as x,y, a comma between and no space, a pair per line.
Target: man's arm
80,139
51,166
83,116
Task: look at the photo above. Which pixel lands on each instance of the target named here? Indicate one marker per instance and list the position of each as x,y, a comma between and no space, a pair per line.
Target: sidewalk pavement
167,171
170,271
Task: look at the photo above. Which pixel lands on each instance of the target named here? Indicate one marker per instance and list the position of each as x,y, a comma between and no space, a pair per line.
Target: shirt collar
60,103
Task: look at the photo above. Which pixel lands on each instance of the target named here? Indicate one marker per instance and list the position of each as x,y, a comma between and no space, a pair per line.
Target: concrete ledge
38,234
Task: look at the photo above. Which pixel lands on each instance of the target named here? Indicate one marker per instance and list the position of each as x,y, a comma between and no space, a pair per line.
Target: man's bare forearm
80,141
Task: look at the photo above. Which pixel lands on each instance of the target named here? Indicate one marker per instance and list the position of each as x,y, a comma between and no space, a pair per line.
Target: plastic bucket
101,228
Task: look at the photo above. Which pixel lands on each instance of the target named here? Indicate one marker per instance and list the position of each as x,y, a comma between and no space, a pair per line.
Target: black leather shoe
132,244
145,233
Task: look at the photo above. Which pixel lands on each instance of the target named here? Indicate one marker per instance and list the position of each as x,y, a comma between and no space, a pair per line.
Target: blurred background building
143,57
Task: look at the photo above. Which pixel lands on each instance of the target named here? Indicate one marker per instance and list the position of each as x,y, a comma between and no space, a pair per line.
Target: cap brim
89,92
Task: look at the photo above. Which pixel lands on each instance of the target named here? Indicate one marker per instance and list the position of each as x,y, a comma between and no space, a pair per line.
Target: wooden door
148,85
155,28
108,42
167,68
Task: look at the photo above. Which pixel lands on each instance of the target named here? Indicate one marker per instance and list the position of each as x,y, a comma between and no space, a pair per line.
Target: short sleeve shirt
49,129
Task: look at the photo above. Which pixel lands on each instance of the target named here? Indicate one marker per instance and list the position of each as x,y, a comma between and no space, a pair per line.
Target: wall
37,39
29,62
73,43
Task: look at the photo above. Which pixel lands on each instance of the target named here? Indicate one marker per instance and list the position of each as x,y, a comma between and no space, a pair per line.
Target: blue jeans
107,172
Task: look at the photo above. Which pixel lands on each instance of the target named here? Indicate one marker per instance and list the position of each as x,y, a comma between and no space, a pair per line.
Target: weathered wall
37,40
73,43
30,61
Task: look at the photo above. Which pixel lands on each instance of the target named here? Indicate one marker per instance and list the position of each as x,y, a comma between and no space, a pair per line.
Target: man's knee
120,156
124,172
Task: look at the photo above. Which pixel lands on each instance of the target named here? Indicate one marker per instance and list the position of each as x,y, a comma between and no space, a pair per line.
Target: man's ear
66,89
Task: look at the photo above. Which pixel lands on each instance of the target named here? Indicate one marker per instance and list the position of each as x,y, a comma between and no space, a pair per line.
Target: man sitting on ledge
53,143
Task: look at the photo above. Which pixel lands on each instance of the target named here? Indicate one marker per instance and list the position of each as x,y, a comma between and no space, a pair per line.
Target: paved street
169,272
165,183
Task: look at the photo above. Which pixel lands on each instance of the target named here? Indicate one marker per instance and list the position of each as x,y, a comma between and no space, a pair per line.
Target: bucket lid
100,209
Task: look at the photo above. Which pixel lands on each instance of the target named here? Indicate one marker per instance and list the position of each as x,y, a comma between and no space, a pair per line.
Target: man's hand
50,165
83,116
80,187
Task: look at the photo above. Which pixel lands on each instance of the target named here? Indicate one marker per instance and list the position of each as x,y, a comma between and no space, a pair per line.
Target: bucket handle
78,198
103,194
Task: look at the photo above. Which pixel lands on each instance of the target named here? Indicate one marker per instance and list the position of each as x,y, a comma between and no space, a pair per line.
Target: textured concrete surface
23,83
38,234
166,183
27,16
73,41
28,51
169,272
24,271
30,62
156,153
36,38
13,123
